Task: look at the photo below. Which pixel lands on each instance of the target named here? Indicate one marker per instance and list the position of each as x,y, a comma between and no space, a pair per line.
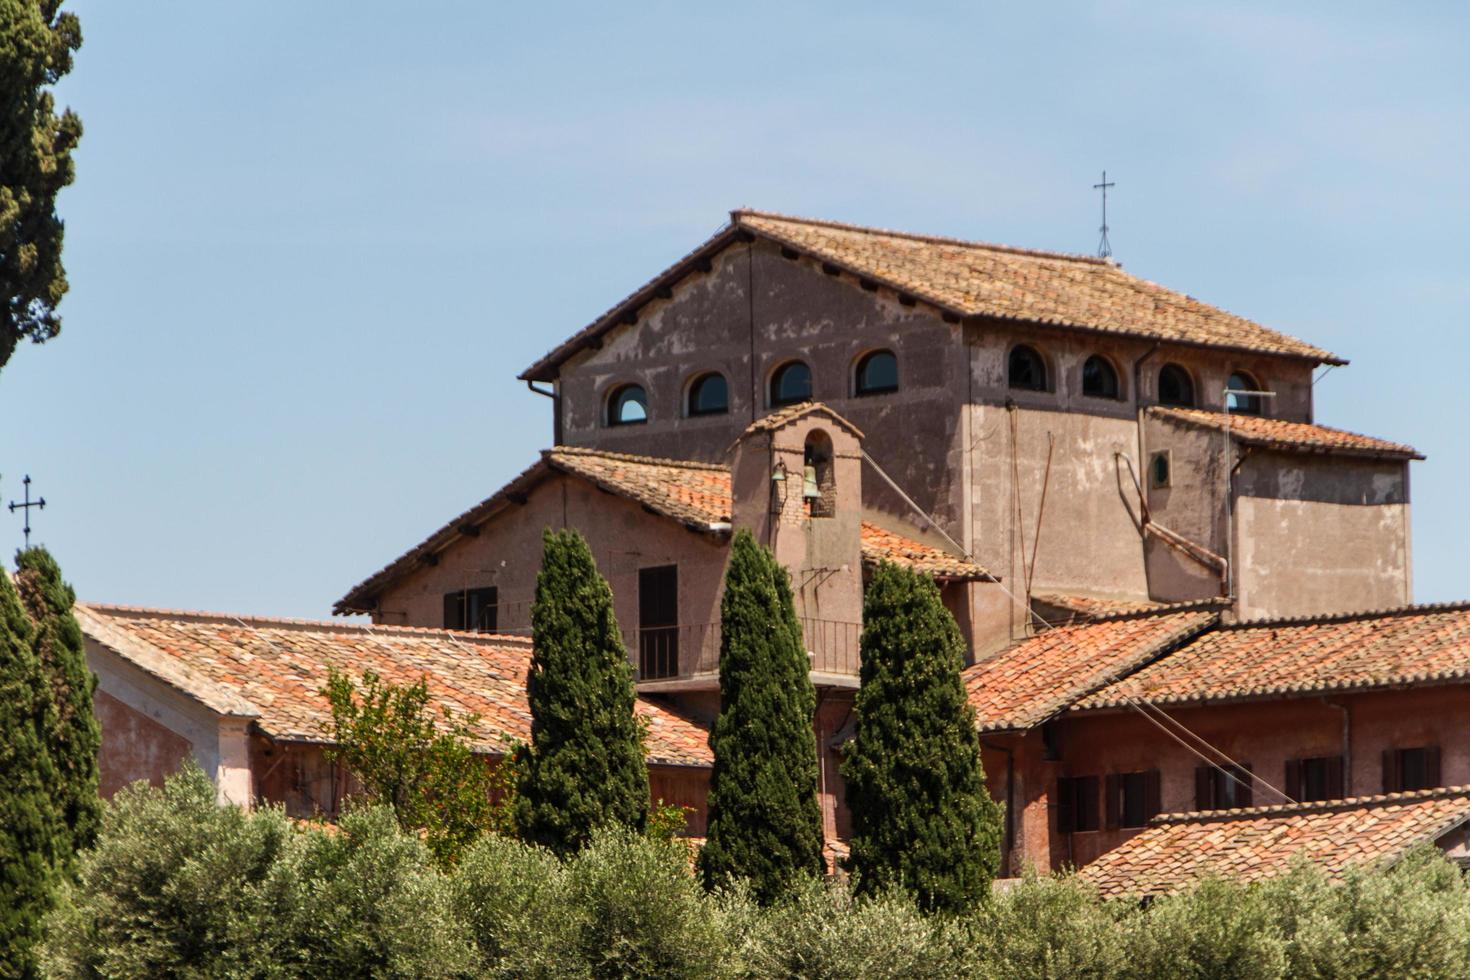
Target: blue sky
310,246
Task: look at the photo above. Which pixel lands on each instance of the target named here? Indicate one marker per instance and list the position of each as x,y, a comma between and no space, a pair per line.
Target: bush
1219,929
1051,927
512,897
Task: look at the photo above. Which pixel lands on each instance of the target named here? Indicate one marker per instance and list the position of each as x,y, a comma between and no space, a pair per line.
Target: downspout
1347,746
555,397
1010,827
1138,400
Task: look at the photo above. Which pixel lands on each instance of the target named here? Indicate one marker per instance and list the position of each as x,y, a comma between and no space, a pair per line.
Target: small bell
809,489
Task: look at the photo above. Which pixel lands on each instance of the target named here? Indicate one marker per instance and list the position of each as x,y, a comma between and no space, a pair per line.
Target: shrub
1050,927
512,898
1218,929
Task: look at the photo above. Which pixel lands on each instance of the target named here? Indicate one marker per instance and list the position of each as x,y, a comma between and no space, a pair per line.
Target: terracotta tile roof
790,413
698,495
1030,682
1178,850
1256,430
965,278
1283,658
272,670
1068,609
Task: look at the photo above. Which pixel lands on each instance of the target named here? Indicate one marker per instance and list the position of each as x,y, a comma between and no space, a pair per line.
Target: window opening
1159,467
1314,779
1175,387
1026,370
877,373
709,395
658,622
792,383
818,485
1223,787
472,609
1243,404
1099,378
1077,804
627,406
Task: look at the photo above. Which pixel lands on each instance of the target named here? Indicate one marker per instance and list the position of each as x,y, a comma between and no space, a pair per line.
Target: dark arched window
791,383
877,373
1099,377
627,405
1175,386
1243,404
1026,370
709,395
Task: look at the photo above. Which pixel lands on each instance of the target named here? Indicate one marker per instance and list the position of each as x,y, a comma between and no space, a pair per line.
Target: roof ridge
1316,806
738,213
118,611
688,464
1179,608
1412,609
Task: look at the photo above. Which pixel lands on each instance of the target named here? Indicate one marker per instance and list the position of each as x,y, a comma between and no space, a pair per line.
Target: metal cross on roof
1104,248
25,508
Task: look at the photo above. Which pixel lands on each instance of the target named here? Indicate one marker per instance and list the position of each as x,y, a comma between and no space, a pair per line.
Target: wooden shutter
1294,778
1245,793
454,611
1066,805
1335,778
1152,794
1391,777
1112,801
1204,787
1431,766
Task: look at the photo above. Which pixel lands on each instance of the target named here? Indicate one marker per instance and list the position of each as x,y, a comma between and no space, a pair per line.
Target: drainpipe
555,409
1010,825
1347,746
1138,400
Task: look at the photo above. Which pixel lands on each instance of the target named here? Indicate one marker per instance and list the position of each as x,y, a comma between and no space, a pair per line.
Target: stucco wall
622,536
134,746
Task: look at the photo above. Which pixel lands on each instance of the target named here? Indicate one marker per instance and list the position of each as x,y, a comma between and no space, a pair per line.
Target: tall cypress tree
922,819
71,732
585,765
765,823
30,830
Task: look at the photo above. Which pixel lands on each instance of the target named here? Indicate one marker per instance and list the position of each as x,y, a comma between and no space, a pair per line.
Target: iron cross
1104,249
25,508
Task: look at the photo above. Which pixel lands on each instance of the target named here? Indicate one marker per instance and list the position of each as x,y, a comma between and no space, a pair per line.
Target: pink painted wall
134,746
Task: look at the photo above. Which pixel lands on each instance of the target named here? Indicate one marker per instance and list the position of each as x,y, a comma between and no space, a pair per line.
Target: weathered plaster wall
623,538
1321,534
134,746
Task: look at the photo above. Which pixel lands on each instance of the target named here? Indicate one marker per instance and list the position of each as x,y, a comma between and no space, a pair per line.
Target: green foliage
36,45
666,821
765,825
71,732
32,837
585,764
512,897
178,885
427,773
1051,928
922,818
1220,929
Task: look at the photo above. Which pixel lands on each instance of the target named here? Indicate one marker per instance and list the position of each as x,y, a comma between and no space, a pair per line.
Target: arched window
627,405
818,486
1243,404
1099,377
1026,370
709,395
877,373
791,383
1175,386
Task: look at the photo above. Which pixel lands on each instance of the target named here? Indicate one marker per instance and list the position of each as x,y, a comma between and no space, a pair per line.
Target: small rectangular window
472,609
1223,788
1133,798
1077,804
658,622
1160,470
1313,779
1405,770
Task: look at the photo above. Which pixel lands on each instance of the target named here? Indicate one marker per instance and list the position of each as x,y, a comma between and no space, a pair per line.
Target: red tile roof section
1283,658
697,495
966,278
1179,850
1256,430
276,668
1071,609
1023,686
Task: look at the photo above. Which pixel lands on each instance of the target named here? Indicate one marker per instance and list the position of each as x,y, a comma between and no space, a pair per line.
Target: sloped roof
790,413
1023,686
1291,657
965,278
1179,850
698,495
1082,608
1256,430
273,671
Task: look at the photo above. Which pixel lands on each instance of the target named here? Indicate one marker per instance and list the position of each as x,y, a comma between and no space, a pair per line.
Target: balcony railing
666,652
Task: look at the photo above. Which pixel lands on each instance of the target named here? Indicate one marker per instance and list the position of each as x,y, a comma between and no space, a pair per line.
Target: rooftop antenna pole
1104,248
25,508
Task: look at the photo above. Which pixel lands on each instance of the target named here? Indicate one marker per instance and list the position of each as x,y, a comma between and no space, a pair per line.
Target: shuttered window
1316,778
1223,788
1410,769
1133,798
472,609
1077,804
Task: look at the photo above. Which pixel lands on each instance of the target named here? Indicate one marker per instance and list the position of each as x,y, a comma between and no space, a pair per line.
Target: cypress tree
29,827
71,733
585,765
765,824
922,819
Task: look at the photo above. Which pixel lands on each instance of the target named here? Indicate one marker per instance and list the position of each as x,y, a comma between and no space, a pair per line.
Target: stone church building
1180,593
